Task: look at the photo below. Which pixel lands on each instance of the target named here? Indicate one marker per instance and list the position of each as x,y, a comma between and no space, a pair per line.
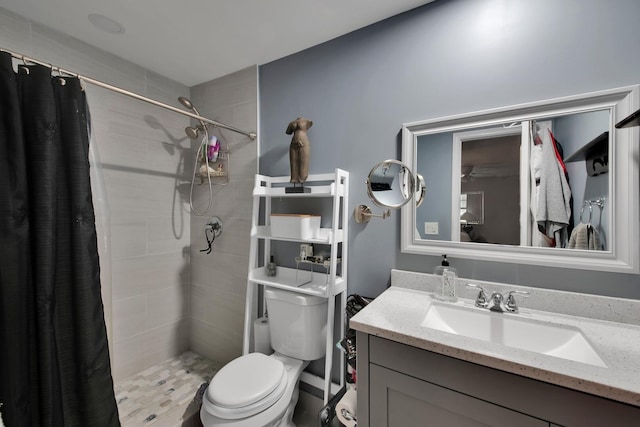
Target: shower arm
25,59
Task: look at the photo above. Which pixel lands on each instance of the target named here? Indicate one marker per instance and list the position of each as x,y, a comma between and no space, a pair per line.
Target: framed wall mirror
547,183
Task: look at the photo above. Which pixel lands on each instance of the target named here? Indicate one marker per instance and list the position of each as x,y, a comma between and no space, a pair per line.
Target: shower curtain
54,357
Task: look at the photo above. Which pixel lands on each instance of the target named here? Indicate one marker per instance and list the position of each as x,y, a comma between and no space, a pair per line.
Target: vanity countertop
398,312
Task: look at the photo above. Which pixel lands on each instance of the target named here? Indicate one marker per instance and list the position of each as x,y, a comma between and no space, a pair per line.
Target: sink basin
510,330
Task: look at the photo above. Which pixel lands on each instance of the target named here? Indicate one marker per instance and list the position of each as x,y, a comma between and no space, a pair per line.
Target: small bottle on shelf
270,268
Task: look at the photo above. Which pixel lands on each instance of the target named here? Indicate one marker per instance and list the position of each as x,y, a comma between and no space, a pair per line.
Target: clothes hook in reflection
511,125
212,229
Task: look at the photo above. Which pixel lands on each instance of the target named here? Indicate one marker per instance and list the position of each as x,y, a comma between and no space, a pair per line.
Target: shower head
192,132
184,101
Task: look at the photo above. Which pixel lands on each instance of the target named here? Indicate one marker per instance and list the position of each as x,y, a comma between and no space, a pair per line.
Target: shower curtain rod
25,59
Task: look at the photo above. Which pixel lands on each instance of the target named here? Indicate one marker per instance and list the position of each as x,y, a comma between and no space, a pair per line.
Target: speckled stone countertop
612,327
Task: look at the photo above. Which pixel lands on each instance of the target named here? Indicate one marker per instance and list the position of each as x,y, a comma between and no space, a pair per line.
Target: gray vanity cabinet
397,399
401,385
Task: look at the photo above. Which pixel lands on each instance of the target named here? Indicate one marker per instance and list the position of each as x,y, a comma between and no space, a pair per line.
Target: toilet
259,390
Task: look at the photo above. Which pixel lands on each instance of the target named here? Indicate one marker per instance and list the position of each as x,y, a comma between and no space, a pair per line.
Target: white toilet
256,390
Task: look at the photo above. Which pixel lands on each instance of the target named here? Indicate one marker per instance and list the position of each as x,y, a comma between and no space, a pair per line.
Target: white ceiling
194,41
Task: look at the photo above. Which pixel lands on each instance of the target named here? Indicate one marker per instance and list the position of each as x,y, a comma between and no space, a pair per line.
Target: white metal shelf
290,279
325,236
319,185
334,188
317,191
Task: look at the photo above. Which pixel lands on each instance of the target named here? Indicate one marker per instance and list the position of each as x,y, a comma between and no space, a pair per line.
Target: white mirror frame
624,185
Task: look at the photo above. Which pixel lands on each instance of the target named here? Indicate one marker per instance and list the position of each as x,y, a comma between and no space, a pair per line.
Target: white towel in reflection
584,236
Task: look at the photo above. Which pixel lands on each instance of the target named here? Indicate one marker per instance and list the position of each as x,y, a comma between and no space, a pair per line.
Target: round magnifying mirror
390,184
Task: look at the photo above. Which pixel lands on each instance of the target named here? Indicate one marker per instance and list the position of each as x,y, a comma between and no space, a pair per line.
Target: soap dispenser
448,280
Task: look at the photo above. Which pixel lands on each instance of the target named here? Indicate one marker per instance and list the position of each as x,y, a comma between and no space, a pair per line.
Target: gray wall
445,58
434,160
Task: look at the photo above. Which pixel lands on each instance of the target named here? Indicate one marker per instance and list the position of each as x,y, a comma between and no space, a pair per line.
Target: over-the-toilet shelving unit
330,283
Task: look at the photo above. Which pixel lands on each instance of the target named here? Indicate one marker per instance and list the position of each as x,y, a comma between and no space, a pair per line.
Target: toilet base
287,417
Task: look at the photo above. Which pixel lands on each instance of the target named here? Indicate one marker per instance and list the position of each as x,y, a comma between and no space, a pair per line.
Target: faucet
510,304
497,301
481,299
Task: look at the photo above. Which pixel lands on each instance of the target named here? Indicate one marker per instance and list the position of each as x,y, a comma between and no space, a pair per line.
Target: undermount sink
507,329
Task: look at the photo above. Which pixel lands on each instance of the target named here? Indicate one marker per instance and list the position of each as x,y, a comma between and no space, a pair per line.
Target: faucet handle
481,299
511,300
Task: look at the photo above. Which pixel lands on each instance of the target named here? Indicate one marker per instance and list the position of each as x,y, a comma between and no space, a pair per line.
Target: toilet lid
247,380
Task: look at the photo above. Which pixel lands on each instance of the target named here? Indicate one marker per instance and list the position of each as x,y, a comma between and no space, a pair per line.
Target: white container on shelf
295,226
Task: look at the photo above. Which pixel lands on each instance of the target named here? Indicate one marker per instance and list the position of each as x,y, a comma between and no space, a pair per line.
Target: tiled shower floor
165,395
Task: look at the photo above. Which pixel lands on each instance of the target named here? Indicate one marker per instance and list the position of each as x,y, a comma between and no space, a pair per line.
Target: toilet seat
246,386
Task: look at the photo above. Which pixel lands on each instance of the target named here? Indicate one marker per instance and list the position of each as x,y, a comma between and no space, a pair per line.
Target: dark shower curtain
54,359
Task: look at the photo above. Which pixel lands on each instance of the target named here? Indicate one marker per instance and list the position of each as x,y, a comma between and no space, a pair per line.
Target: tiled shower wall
144,167
219,279
142,149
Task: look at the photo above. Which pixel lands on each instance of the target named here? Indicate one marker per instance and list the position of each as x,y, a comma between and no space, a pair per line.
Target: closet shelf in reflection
597,147
631,120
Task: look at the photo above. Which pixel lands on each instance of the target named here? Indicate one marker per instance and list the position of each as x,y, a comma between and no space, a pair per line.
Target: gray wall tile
219,279
150,348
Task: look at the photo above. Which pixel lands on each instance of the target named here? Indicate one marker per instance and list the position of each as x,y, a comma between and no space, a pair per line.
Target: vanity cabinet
401,385
398,399
326,278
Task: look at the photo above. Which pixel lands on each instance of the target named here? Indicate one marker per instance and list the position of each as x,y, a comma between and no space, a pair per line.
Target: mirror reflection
472,217
390,184
559,182
534,177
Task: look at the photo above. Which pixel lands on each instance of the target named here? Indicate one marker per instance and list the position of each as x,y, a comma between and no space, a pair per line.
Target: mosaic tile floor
167,394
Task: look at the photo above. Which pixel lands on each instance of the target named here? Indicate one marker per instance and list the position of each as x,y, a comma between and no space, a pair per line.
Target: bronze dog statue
300,149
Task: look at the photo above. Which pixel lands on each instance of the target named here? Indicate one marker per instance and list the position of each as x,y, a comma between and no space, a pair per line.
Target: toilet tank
297,323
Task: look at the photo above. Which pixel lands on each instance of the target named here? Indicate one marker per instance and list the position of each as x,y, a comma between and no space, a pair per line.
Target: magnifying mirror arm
363,214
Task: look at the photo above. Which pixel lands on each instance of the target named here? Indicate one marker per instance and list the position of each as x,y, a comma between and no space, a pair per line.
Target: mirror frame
624,184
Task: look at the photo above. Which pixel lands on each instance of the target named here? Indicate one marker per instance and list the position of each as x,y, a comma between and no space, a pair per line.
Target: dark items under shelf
595,154
631,120
597,147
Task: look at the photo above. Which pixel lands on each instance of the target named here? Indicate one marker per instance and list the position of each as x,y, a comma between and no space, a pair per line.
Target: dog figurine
299,150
